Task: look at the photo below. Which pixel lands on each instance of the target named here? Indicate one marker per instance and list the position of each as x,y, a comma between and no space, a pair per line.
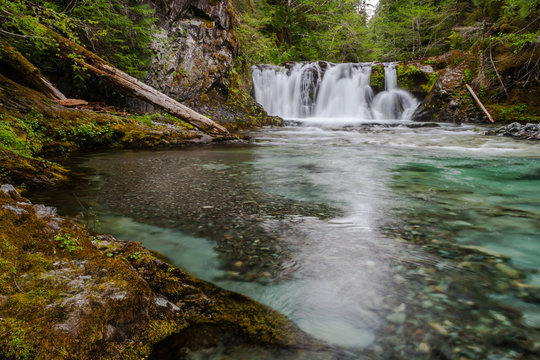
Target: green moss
377,78
431,83
413,79
14,340
507,113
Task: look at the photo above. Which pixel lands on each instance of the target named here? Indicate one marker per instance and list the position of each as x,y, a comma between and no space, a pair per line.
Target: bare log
119,79
28,73
479,102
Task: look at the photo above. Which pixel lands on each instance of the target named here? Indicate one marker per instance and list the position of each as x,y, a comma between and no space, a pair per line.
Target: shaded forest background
278,31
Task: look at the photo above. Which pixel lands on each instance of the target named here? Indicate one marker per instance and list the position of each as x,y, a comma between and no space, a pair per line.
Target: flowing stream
384,238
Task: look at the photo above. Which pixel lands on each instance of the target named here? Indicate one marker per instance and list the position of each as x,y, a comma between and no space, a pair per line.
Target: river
381,237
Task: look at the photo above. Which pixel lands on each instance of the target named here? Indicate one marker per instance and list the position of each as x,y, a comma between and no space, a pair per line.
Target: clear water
312,220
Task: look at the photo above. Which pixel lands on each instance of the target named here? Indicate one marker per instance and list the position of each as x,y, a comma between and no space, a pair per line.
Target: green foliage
118,30
10,140
515,111
137,255
146,119
467,78
518,41
457,42
88,134
280,31
410,29
14,337
68,242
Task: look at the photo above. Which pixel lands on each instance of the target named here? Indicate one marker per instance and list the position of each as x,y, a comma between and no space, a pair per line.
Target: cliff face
194,48
194,51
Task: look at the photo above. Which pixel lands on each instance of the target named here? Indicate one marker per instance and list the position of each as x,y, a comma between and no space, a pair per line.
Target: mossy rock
32,128
376,80
417,81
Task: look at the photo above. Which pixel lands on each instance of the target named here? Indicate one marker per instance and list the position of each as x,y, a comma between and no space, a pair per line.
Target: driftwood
479,102
119,79
28,73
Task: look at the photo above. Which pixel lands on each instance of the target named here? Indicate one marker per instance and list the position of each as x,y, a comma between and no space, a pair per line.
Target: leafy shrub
68,242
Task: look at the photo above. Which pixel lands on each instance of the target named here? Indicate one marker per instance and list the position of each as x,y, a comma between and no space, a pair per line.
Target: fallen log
479,103
28,73
119,79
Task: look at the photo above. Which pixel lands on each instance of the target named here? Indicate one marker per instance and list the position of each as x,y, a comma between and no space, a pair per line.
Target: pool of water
354,231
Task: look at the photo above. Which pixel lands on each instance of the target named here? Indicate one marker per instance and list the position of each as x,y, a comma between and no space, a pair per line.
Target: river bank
68,293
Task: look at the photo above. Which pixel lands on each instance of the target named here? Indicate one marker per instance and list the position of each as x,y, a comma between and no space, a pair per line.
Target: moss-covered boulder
68,294
376,81
440,83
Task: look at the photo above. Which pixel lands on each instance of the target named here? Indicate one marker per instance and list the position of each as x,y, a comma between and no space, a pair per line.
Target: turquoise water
353,231
490,202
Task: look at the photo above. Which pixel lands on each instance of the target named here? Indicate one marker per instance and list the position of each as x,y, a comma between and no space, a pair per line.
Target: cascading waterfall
326,90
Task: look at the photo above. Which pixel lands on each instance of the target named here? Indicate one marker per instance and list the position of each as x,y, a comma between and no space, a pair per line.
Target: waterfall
326,90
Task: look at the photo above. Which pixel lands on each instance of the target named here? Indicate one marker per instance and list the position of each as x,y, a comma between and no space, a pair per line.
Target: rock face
194,51
439,83
194,48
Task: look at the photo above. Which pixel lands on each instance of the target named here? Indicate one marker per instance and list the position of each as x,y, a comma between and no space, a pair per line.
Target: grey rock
396,318
44,211
17,210
8,188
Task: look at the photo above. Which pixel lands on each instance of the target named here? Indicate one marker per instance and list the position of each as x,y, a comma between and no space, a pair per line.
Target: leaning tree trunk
119,79
28,73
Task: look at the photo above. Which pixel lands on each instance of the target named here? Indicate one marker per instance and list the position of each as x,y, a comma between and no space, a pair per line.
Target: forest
269,179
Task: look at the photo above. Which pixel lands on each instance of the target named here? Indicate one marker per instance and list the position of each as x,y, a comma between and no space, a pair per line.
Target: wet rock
439,328
8,189
518,131
396,318
508,270
44,211
486,251
424,347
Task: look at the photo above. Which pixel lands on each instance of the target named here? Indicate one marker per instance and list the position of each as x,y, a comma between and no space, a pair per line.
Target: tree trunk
119,79
479,103
27,73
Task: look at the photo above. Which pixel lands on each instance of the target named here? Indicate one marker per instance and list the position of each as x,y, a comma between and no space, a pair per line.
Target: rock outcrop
439,82
194,48
194,51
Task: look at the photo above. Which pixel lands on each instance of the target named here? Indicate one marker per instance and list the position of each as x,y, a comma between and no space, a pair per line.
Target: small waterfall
326,90
393,102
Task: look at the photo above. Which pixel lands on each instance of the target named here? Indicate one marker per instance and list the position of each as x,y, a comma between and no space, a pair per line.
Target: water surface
352,230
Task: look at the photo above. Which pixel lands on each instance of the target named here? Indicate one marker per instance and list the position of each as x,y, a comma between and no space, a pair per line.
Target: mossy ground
70,294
